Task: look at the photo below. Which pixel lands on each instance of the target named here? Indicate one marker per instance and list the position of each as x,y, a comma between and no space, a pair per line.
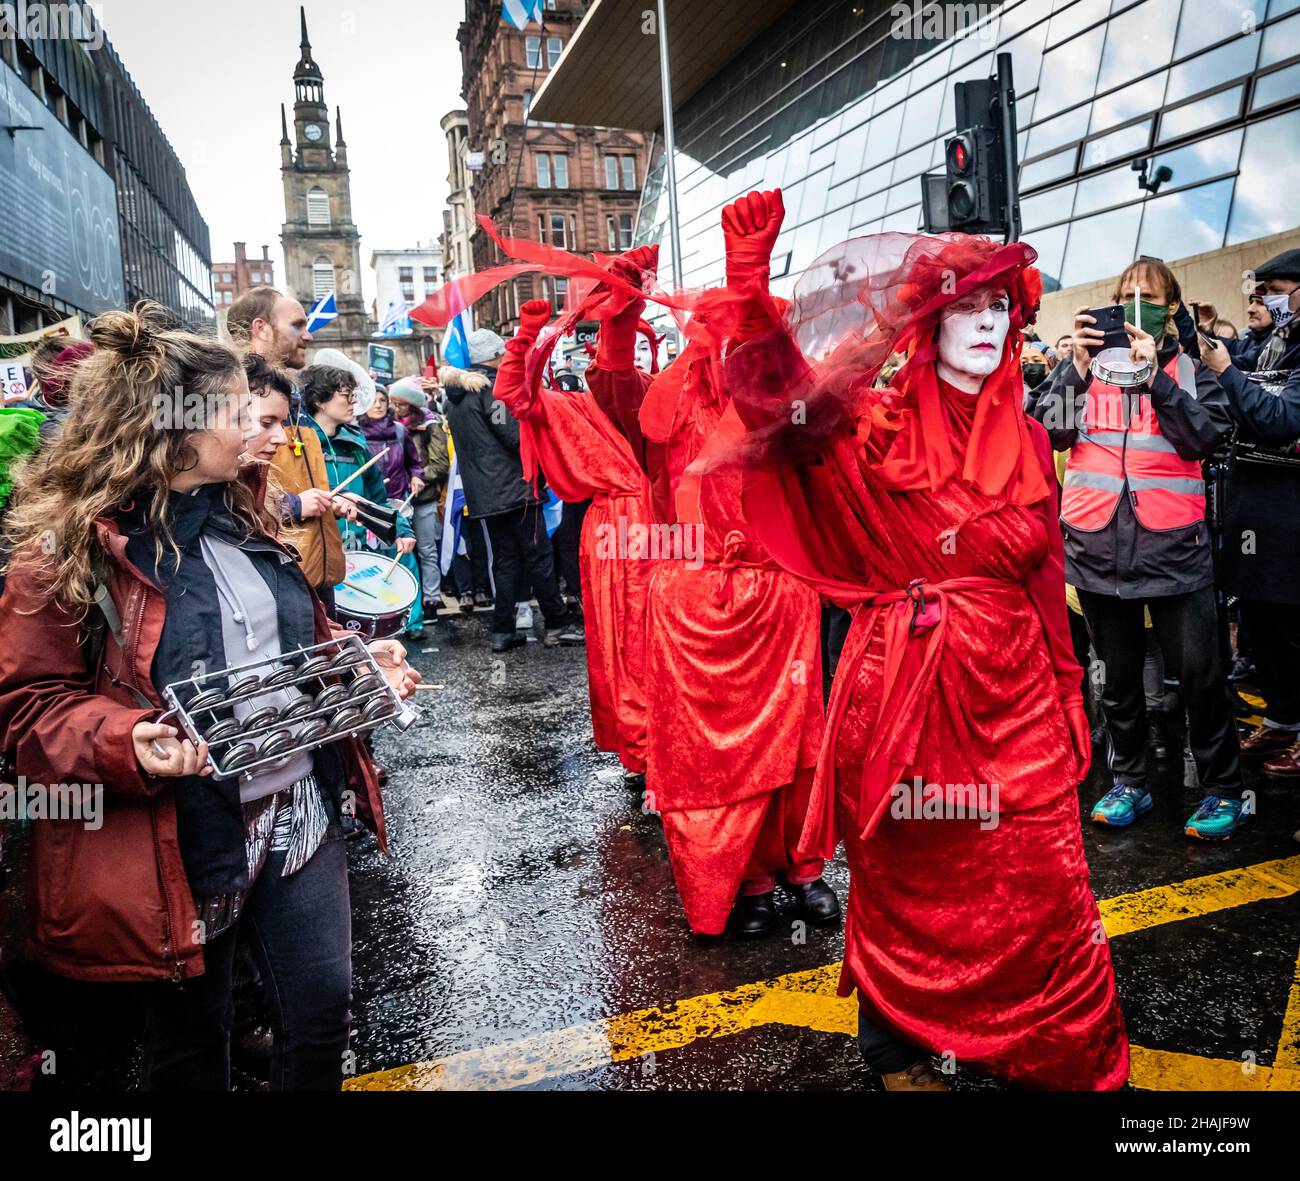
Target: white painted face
644,356
973,332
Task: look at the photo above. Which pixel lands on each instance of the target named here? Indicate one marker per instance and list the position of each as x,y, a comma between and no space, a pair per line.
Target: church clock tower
322,247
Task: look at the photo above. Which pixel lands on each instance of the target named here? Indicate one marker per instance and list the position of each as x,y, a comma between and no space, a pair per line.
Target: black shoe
1243,669
466,603
571,633
1156,738
816,902
634,780
481,599
755,915
504,642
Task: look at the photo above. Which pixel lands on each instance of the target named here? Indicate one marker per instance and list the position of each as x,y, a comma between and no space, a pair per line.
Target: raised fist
533,317
749,230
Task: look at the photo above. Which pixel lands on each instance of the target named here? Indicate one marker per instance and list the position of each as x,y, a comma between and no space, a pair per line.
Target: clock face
313,131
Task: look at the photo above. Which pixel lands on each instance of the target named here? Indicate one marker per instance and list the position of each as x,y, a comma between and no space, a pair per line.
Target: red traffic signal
959,155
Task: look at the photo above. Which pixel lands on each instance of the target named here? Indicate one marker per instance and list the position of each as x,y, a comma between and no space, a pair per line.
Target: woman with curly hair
138,558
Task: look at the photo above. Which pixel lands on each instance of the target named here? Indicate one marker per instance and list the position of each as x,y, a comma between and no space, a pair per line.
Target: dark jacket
401,463
1125,559
1261,533
486,439
431,441
113,903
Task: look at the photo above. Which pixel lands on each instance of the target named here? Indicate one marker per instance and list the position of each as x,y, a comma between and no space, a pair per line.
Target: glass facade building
845,105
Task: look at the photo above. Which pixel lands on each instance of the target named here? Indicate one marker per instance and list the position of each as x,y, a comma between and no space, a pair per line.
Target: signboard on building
60,233
474,161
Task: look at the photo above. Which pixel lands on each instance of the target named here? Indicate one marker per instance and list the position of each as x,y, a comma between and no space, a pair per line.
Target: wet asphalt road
526,892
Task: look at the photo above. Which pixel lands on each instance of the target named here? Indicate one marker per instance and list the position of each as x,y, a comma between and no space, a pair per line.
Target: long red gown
585,458
734,670
982,942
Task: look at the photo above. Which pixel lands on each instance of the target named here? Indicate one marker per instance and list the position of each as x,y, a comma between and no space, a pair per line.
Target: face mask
1154,318
1033,374
1280,307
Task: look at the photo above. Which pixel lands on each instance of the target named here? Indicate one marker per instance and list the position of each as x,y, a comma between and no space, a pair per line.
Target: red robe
980,941
585,458
734,673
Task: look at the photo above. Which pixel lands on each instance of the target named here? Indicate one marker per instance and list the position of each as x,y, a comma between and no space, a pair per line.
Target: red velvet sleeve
1046,584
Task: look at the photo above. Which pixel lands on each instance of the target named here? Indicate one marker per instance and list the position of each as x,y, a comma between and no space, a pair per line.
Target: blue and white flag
397,320
453,516
520,12
455,341
323,311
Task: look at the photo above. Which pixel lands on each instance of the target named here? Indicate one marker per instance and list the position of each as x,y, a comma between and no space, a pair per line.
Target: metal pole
1007,114
670,144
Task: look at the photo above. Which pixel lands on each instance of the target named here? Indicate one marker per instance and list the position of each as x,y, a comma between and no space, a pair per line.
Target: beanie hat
484,345
408,390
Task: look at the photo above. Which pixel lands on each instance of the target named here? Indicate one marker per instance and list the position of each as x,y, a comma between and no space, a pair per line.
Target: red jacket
111,903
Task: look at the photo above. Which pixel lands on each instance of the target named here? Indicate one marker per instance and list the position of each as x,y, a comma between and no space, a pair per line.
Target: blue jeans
300,932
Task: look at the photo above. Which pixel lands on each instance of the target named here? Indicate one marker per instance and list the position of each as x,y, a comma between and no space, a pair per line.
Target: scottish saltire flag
453,515
323,311
552,512
397,320
455,341
520,12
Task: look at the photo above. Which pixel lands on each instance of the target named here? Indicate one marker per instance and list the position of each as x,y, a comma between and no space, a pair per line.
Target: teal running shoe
1122,805
1216,819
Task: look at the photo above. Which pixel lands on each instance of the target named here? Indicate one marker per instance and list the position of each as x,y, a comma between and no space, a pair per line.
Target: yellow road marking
807,999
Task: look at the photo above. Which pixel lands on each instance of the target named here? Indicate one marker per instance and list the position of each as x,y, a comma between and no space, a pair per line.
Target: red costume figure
734,675
586,458
928,507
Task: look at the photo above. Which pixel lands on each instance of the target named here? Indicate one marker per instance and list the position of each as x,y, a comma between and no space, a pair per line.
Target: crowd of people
873,567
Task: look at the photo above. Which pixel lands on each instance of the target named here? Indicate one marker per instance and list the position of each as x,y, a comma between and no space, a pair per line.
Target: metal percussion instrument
1112,360
375,597
334,690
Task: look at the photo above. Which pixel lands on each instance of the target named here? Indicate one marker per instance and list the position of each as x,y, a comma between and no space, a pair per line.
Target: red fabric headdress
870,298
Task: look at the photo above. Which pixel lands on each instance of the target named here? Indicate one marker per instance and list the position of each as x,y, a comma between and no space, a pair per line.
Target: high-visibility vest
1121,451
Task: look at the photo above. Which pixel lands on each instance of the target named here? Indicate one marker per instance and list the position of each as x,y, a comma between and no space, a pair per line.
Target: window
629,173
611,172
1205,112
533,52
552,171
318,208
528,103
554,47
430,276
618,232
543,170
561,166
404,274
1101,245
1269,167
550,229
1189,222
1069,73
1276,87
322,277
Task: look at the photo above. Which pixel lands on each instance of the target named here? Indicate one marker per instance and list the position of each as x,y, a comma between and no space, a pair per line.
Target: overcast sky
215,76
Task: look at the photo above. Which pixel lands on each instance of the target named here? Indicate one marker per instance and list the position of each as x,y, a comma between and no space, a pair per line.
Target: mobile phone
1110,322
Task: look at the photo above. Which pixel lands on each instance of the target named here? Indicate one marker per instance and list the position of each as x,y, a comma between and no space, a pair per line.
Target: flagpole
670,144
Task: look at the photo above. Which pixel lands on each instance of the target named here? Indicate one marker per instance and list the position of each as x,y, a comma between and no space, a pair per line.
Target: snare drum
371,601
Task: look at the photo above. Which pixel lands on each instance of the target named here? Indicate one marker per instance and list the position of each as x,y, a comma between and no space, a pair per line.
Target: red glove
1080,736
616,344
533,317
749,231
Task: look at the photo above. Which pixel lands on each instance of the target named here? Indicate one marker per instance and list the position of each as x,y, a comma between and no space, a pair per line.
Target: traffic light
976,193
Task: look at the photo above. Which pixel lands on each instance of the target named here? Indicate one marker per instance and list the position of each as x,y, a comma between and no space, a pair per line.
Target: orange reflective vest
1121,451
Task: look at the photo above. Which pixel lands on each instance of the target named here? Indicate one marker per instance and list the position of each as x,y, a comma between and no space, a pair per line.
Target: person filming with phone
1133,519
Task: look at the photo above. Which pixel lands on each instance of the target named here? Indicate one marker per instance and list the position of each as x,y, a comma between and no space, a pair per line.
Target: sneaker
432,607
523,617
1216,819
1122,805
466,604
482,599
1243,669
573,633
1266,740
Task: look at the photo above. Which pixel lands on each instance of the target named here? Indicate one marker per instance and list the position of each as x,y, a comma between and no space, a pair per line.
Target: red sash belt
917,614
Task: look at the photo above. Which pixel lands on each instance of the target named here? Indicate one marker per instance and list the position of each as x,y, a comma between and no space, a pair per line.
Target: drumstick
396,561
374,459
361,590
